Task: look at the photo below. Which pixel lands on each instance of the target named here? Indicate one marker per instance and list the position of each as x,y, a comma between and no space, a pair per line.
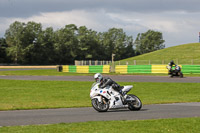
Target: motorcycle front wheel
136,104
100,106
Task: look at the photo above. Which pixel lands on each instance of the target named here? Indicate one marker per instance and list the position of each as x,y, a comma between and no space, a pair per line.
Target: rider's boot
123,94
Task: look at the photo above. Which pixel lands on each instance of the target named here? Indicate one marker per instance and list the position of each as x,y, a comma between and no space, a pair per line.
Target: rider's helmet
98,77
171,63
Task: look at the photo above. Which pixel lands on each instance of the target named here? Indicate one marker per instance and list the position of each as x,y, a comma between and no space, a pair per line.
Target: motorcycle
107,98
175,70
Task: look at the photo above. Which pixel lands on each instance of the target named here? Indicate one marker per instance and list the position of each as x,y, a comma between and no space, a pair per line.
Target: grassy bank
15,94
180,125
181,54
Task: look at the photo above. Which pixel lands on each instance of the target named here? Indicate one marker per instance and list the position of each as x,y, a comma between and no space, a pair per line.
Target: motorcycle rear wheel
135,105
100,107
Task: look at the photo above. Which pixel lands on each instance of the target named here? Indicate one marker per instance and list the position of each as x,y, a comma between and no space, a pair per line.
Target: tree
115,41
3,46
43,48
13,39
88,44
47,40
21,39
28,43
66,44
149,41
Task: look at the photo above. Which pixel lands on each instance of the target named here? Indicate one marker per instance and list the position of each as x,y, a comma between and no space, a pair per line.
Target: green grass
178,125
19,94
181,54
42,72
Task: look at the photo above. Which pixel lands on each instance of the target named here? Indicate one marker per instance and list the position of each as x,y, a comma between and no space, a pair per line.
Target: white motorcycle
108,98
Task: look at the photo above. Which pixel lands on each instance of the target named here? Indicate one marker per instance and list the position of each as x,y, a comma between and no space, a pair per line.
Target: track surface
51,116
122,78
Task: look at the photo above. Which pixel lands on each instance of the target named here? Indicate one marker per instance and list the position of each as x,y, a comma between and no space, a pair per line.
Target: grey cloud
25,8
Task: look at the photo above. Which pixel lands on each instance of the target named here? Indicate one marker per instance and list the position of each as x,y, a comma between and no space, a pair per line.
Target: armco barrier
72,68
139,69
106,69
121,68
87,69
99,69
154,69
65,68
191,68
95,69
129,69
82,69
159,69
133,68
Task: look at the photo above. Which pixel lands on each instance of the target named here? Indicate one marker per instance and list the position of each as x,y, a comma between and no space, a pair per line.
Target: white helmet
98,77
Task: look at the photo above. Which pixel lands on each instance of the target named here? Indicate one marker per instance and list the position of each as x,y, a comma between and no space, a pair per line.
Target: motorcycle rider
104,81
171,63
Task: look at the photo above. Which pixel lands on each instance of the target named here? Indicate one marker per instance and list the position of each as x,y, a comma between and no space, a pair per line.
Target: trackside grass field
19,94
41,72
180,125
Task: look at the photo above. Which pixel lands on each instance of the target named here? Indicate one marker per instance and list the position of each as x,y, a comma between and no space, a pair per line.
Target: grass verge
41,72
178,125
19,94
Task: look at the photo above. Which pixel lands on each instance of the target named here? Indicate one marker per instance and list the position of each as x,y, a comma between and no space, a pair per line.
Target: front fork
103,99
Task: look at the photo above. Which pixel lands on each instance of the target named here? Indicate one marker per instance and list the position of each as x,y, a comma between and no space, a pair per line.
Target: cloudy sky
178,20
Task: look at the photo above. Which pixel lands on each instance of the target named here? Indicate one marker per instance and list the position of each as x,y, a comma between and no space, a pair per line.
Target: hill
181,54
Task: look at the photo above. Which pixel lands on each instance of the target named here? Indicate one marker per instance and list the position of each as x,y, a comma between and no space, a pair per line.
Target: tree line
29,43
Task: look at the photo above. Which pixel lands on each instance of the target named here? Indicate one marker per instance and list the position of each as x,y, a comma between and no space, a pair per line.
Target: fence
91,62
158,62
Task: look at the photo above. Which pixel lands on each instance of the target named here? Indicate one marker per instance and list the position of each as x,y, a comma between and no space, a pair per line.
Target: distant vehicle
107,98
174,70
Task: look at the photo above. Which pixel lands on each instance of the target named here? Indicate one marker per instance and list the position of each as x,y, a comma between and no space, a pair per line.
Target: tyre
170,75
134,105
100,106
181,75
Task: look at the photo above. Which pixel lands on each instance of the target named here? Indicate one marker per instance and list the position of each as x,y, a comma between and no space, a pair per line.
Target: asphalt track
118,78
68,115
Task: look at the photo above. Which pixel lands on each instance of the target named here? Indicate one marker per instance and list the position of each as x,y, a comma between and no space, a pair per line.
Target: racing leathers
108,81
